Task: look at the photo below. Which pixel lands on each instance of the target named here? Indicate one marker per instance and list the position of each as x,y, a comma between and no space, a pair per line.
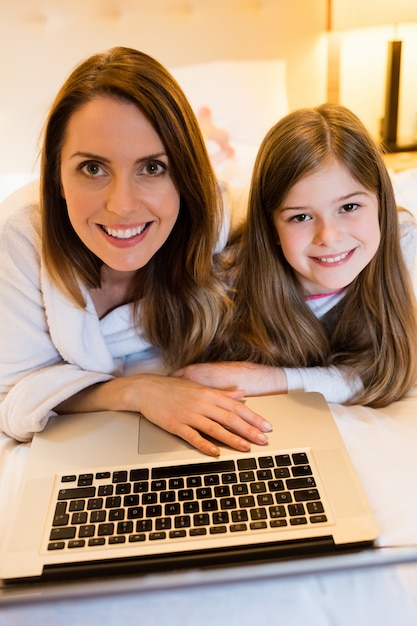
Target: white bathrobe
50,348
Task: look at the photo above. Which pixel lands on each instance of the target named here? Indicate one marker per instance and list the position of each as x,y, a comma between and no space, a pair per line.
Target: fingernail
262,438
266,427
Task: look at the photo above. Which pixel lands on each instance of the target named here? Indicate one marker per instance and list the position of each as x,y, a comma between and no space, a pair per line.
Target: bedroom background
42,40
249,61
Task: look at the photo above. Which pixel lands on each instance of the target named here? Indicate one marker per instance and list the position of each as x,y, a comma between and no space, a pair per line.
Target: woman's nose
122,197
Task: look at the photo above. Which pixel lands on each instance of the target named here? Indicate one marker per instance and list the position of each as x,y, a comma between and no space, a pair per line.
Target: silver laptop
107,493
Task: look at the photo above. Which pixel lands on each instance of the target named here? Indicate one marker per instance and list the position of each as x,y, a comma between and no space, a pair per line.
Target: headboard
42,40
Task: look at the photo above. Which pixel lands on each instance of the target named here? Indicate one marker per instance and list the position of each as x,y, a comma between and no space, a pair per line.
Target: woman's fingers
214,431
228,411
225,426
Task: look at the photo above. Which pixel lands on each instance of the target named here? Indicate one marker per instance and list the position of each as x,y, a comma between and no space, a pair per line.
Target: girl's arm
333,382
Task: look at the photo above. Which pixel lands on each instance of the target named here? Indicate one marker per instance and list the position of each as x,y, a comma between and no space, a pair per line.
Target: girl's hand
256,380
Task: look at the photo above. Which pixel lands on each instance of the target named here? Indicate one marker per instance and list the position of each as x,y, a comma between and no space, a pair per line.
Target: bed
259,84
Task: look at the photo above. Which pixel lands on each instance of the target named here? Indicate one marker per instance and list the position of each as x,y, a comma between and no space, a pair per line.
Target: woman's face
116,181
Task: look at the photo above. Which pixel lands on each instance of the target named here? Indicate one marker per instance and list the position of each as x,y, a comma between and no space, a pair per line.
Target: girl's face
328,228
115,176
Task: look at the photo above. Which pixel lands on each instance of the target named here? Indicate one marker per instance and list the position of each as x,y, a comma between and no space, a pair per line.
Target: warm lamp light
344,14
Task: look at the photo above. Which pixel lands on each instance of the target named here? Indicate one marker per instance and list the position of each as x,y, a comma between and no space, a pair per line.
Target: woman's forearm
180,406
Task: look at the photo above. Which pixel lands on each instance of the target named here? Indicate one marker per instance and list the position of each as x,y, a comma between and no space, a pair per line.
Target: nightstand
399,161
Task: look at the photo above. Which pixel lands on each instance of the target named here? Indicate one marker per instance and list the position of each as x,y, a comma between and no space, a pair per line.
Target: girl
322,296
108,283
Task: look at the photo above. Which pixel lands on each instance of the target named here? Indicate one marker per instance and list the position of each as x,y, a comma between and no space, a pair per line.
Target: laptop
110,492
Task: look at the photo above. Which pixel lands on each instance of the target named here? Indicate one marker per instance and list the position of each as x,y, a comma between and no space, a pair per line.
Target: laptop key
106,529
157,536
177,534
96,541
87,531
306,494
300,483
56,545
235,528
85,480
76,543
68,532
300,458
301,470
76,492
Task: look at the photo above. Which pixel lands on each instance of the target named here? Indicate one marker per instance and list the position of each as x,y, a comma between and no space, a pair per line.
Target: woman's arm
37,379
182,407
33,376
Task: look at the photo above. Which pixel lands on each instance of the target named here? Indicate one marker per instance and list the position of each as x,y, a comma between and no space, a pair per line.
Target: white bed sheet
368,597
383,445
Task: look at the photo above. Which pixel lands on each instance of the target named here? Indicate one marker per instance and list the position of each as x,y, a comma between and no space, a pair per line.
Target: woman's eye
155,167
91,168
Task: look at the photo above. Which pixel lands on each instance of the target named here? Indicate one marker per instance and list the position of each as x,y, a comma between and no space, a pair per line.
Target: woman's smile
125,237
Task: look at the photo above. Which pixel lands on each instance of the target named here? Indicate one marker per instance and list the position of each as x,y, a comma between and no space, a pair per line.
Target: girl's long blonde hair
373,329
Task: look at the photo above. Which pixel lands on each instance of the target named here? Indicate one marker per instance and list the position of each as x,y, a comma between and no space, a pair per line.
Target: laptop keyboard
161,504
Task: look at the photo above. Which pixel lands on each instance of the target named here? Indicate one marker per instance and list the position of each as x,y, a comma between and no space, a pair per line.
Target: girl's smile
328,228
333,260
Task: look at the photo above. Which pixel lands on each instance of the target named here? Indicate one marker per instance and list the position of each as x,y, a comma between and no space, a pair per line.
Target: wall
42,40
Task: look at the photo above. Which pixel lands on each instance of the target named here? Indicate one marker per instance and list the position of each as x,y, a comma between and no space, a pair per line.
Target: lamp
344,14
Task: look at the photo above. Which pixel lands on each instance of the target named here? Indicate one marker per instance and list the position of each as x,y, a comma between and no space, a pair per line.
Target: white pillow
10,182
246,98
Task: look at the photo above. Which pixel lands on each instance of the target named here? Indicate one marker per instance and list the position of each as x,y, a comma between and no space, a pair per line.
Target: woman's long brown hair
180,304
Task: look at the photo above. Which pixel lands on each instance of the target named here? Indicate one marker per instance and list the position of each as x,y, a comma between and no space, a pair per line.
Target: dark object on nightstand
392,91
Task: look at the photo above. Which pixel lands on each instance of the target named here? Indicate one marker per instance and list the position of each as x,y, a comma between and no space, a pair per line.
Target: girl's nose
327,232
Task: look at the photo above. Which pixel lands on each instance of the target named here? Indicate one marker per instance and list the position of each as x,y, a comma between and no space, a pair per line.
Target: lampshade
365,13
349,14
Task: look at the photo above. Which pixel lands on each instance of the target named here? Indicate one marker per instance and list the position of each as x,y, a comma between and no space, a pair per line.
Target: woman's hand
256,380
182,407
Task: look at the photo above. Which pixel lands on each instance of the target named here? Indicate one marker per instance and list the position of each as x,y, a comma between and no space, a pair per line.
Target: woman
323,299
109,284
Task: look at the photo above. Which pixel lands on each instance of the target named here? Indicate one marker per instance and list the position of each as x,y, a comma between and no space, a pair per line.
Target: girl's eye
302,217
154,168
348,208
91,168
